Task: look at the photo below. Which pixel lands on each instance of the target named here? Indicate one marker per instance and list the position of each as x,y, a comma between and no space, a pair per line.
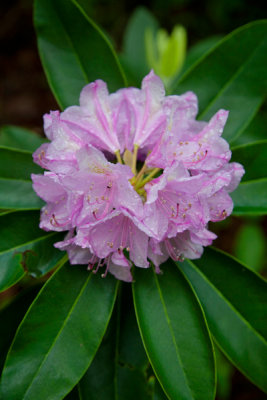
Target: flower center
141,177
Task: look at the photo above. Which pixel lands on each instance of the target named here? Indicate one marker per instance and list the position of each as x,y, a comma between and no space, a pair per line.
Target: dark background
25,95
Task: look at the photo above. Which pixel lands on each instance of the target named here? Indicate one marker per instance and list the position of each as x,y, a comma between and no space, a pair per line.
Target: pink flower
134,177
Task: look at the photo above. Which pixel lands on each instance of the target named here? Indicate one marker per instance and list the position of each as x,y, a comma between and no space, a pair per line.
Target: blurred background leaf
134,47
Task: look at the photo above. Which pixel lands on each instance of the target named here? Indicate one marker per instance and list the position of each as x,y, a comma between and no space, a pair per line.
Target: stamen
148,178
118,155
101,262
41,155
134,158
107,267
173,251
55,223
141,173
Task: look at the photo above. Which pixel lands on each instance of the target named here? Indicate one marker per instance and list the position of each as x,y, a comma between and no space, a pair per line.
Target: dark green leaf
12,269
134,51
174,334
234,299
225,372
25,247
124,358
15,185
11,317
253,157
73,50
256,130
18,194
59,336
231,76
15,164
16,190
198,50
250,198
98,383
19,138
250,245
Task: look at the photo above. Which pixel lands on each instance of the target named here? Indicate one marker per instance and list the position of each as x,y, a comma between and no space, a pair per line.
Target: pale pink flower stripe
134,178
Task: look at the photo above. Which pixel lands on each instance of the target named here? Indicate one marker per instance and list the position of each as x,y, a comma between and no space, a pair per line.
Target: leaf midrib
105,38
251,181
15,179
172,334
215,47
27,243
58,334
15,150
229,82
75,52
250,144
227,301
249,120
47,70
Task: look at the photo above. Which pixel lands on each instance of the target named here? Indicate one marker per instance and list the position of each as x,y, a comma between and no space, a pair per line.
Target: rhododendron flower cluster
133,177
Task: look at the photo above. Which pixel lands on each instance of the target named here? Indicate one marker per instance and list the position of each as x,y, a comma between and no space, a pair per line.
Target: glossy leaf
234,299
19,138
134,49
250,198
16,190
174,334
19,195
73,50
59,336
124,358
231,76
25,247
17,164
